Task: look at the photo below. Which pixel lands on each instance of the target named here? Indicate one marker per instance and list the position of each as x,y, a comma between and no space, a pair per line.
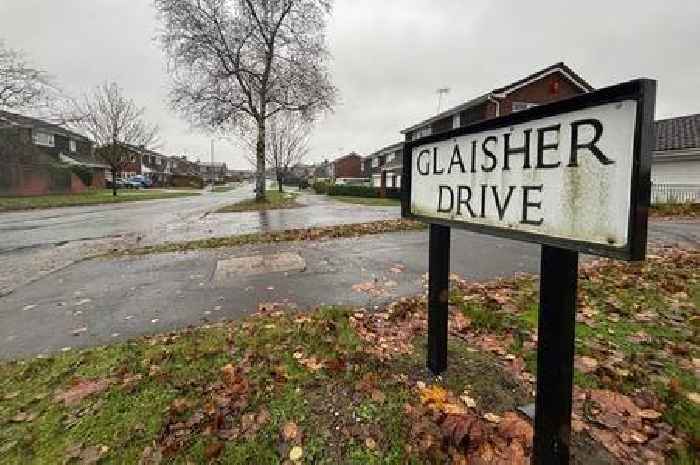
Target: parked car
119,182
142,181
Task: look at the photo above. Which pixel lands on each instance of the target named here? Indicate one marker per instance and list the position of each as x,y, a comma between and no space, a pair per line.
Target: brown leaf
213,450
378,396
151,456
514,427
586,364
290,431
80,389
456,428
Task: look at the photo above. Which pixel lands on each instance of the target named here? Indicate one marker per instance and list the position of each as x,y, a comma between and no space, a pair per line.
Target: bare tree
22,86
286,145
237,62
114,122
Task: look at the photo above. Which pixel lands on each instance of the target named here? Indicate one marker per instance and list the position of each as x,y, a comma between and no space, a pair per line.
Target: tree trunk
114,182
279,181
260,158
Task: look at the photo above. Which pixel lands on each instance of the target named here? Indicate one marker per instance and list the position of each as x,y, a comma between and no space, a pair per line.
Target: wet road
99,301
39,242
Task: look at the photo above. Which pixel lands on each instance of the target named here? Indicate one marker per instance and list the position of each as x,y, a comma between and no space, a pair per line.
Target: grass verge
309,234
274,200
674,210
97,197
370,201
226,188
344,386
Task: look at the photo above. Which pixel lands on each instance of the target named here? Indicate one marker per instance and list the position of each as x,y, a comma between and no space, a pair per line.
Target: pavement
98,301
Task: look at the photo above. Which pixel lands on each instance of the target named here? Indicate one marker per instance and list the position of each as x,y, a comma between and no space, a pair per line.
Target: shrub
353,191
320,187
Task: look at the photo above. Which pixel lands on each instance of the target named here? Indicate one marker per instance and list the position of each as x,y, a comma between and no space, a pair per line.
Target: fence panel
675,193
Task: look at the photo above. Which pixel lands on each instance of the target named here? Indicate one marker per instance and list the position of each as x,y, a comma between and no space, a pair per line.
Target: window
73,146
520,106
390,158
362,167
43,138
424,132
375,162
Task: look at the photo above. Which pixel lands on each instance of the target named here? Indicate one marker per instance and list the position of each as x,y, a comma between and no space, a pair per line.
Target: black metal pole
438,296
555,356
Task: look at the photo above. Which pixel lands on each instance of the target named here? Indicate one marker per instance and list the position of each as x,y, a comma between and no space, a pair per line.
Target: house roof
680,133
392,147
349,155
502,91
15,120
78,159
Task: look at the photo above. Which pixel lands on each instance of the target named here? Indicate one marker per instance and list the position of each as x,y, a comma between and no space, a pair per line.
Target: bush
320,187
354,191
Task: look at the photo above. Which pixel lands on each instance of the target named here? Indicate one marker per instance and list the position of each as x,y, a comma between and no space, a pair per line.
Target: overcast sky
389,57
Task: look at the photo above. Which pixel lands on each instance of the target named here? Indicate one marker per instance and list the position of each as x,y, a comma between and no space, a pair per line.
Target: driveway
99,301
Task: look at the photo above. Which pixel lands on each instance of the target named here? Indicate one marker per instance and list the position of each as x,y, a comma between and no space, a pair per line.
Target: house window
362,167
73,146
375,162
42,138
424,132
520,106
390,158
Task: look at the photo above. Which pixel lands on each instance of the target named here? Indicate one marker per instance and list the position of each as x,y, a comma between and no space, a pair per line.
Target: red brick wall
546,90
348,167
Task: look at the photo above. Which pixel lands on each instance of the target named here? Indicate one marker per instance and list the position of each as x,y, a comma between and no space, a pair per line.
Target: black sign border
643,91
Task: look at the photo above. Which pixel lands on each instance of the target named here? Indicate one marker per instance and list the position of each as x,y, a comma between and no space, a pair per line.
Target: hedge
320,187
363,191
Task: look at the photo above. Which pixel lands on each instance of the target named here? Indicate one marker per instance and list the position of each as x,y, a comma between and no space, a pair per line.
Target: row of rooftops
672,134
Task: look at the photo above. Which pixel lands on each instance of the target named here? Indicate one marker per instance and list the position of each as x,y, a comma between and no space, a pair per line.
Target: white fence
675,193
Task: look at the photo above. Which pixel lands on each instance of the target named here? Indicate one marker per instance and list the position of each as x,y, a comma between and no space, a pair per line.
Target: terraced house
384,167
39,157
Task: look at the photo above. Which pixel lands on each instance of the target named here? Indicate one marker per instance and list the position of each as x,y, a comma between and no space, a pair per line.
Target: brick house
384,166
548,85
47,158
347,167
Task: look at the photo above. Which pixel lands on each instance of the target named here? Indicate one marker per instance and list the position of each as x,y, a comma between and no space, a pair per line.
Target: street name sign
574,176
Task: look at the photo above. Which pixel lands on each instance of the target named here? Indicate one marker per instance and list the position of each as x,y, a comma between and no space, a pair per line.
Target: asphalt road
40,242
99,301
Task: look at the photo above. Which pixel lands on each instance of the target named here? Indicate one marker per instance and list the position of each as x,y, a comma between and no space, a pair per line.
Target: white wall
676,172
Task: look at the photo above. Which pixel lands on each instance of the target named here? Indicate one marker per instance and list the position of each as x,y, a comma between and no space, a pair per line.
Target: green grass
275,352
289,235
333,413
274,200
665,286
226,188
96,197
375,202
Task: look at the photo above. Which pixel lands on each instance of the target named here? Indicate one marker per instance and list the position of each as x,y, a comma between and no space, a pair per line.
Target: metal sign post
573,176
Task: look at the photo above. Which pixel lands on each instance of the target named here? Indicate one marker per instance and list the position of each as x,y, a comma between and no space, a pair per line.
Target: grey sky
390,56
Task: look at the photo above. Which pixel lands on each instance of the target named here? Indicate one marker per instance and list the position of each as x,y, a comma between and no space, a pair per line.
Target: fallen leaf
370,443
290,431
693,397
296,453
586,364
151,456
213,450
378,396
80,389
492,418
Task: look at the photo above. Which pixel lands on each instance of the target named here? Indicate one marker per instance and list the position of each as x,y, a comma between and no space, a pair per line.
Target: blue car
139,182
